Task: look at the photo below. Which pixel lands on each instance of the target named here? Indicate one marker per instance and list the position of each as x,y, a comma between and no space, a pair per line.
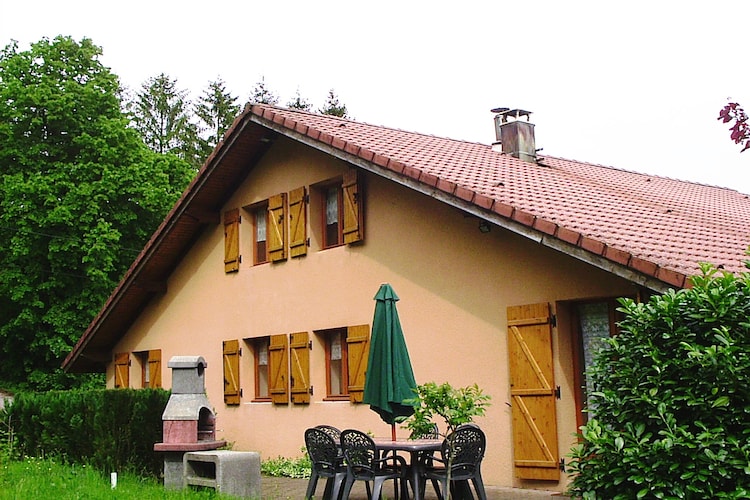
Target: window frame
256,211
327,336
146,359
579,362
258,344
326,189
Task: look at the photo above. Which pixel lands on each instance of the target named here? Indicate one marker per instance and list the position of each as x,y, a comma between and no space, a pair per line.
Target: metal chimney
514,137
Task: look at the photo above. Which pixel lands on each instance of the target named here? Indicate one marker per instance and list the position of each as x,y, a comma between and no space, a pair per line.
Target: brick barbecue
188,422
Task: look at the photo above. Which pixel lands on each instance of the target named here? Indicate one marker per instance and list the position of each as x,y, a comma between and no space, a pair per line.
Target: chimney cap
506,113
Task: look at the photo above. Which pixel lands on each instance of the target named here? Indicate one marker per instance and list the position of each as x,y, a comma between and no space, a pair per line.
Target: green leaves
671,399
454,406
79,196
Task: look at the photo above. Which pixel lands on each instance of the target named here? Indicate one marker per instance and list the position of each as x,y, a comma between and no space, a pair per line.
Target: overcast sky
636,85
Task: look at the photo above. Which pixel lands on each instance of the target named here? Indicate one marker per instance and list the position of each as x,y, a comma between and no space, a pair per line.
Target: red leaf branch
740,130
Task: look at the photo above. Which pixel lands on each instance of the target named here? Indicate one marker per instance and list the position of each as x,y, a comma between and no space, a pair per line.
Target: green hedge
111,430
671,404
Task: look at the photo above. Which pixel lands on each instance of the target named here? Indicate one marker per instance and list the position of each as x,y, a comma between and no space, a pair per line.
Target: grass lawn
36,478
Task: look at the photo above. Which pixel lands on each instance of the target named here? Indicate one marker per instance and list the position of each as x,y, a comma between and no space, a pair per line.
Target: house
508,265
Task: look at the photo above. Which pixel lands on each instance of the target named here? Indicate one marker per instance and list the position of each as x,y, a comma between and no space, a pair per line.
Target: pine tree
161,113
299,102
216,109
332,106
262,95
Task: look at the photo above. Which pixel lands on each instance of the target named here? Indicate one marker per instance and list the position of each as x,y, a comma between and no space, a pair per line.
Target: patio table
415,447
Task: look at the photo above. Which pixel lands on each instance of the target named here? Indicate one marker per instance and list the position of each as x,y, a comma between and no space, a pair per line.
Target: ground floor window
593,322
260,351
150,365
337,375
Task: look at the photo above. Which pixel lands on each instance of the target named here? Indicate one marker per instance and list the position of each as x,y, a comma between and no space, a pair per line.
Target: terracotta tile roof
657,226
651,227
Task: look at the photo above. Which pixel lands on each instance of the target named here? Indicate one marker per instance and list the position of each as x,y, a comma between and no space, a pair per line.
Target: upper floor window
333,224
343,211
260,219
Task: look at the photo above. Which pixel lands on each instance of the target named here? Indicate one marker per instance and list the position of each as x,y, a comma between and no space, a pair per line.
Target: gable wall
454,283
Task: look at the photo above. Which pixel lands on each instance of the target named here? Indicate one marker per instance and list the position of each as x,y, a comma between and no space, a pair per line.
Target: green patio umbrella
390,379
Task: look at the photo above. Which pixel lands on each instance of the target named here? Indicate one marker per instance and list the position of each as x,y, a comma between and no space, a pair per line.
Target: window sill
337,398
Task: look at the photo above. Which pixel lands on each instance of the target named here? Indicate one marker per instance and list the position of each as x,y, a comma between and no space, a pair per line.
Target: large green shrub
109,429
671,407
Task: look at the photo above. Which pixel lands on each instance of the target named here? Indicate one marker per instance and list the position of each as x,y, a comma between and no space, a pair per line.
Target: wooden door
532,389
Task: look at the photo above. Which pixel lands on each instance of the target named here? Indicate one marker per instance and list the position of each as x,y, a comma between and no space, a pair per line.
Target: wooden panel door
532,389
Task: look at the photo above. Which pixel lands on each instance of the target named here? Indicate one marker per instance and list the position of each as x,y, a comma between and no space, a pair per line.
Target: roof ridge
369,124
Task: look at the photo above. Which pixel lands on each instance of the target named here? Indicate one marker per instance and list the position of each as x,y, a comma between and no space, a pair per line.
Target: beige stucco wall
454,283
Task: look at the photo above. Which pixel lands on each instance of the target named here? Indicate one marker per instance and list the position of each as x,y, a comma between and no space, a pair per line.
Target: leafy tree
733,112
672,398
217,109
333,107
79,196
299,102
262,95
162,115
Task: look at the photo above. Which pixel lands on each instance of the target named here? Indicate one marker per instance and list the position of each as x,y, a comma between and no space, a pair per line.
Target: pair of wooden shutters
285,377
532,389
289,365
152,360
289,368
294,209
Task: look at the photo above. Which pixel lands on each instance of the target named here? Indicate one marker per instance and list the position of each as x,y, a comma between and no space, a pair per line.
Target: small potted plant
455,406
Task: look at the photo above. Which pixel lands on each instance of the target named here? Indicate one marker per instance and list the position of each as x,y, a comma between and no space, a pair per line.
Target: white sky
636,85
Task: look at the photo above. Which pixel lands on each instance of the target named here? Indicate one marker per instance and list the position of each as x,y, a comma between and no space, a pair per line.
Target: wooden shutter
353,210
299,351
154,369
232,241
122,370
532,391
231,355
358,349
278,361
297,222
276,235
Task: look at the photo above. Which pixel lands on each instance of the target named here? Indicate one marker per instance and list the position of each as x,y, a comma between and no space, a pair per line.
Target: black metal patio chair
326,462
466,446
364,463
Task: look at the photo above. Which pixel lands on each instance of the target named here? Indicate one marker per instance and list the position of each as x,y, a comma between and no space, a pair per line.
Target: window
593,322
260,349
332,233
342,211
260,223
337,375
346,351
150,362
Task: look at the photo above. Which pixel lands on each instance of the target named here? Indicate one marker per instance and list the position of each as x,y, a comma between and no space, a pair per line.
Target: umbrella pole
393,432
